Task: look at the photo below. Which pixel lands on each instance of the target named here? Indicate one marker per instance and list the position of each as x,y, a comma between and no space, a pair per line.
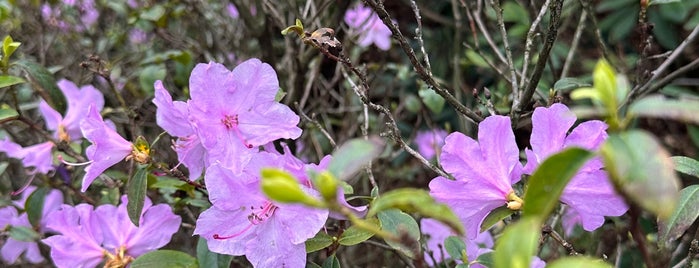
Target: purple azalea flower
79,99
372,29
12,249
89,13
38,156
137,36
232,11
589,195
88,237
172,117
231,113
436,234
484,170
429,142
267,233
107,149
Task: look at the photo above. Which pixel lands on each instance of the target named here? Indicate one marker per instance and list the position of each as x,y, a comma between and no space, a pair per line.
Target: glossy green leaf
578,262
486,259
320,241
9,46
206,258
550,178
165,258
34,206
416,200
22,233
683,217
149,75
9,80
136,194
495,216
604,90
47,83
456,248
353,155
403,226
686,165
664,108
432,100
331,262
353,235
569,83
7,113
518,243
643,170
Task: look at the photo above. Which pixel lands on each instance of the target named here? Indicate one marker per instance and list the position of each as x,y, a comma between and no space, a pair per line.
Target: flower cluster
485,170
89,236
221,129
369,25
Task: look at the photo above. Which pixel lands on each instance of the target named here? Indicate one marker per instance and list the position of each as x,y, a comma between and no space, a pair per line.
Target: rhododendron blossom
371,28
589,195
429,142
79,99
87,237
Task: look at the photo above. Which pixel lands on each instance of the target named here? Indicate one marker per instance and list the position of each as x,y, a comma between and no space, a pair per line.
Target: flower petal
592,196
550,126
214,221
171,116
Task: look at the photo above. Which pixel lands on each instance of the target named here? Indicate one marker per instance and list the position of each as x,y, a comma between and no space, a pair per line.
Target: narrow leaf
403,226
416,200
686,165
660,107
578,262
495,216
7,113
550,178
9,80
206,258
47,84
455,246
318,242
137,194
643,170
34,206
518,243
569,83
165,258
331,262
353,155
354,235
683,217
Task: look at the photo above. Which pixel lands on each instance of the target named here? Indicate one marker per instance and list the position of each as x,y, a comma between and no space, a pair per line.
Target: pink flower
589,195
430,142
370,26
79,99
38,156
87,237
107,149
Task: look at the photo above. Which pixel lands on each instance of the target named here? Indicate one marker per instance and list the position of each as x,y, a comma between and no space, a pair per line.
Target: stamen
231,123
255,218
218,237
25,186
60,158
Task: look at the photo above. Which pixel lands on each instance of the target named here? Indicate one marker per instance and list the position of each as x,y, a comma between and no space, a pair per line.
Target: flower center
117,260
513,201
257,216
63,134
231,122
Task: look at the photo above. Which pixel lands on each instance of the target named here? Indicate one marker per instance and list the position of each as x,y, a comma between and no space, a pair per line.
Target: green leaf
34,206
149,75
495,216
331,262
518,243
9,80
550,178
456,248
153,14
658,2
432,100
47,83
136,194
282,187
7,113
353,155
403,226
660,107
416,200
578,262
686,165
320,241
486,259
353,235
412,103
165,258
297,28
9,46
569,83
206,258
643,170
683,217
25,234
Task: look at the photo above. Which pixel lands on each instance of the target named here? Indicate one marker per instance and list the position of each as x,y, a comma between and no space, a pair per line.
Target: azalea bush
348,133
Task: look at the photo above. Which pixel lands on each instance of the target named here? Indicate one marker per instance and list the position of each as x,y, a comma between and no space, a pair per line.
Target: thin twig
419,68
418,36
476,14
670,77
555,14
638,236
508,51
598,33
574,45
530,41
316,124
548,230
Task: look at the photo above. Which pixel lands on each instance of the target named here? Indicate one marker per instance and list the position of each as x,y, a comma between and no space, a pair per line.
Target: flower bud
280,186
